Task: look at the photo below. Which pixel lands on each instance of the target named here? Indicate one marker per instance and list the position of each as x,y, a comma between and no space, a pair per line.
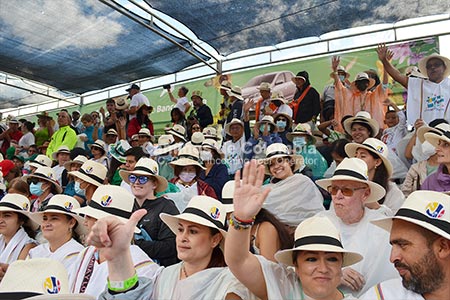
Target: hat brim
227,127
298,77
290,136
37,217
288,117
434,138
230,93
162,182
274,126
371,122
84,177
69,164
349,258
98,214
423,64
376,191
55,154
165,149
299,161
172,221
59,189
36,164
347,75
182,162
30,222
177,134
351,148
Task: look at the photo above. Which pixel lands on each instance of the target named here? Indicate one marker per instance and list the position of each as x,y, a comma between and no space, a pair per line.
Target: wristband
122,286
241,225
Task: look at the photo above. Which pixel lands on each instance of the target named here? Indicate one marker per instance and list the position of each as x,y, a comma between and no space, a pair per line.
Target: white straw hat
109,200
354,169
100,145
423,64
47,174
197,139
214,145
145,132
278,96
188,156
61,149
19,204
92,172
41,161
375,146
166,143
363,117
62,204
210,133
428,209
235,91
301,129
264,86
37,278
147,167
363,76
227,196
268,120
80,159
277,150
317,234
225,85
111,131
438,129
178,131
233,122
434,138
202,210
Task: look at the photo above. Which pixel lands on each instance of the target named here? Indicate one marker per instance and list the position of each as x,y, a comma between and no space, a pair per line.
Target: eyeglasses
436,65
141,179
346,191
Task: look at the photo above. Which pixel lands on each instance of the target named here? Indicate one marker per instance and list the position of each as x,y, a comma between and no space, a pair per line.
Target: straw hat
37,279
47,174
202,210
301,129
428,209
264,86
434,138
18,204
166,143
375,146
41,161
80,159
197,138
278,96
277,150
227,196
147,167
121,103
423,64
188,156
438,130
232,122
363,76
214,145
61,149
111,131
340,69
100,144
354,169
178,130
145,132
197,94
413,71
288,118
109,200
92,172
362,117
317,234
235,91
225,85
62,204
268,120
210,133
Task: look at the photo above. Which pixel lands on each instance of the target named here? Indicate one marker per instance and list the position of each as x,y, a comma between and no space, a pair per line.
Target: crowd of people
322,197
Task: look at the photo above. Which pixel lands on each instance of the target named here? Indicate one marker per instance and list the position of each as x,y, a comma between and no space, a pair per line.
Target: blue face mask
78,189
299,142
341,77
261,127
36,189
281,124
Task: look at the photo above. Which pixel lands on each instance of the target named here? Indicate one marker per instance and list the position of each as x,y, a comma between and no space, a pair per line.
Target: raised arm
384,55
113,238
248,199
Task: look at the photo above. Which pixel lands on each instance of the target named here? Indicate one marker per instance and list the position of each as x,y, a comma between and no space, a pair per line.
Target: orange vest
258,108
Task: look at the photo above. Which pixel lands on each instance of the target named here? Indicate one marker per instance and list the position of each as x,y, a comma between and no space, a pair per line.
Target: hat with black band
188,156
146,167
92,172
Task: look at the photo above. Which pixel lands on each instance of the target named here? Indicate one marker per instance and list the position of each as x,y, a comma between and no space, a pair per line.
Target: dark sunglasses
141,179
346,191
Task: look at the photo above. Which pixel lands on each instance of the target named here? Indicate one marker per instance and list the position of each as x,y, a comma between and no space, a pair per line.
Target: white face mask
428,150
187,176
205,155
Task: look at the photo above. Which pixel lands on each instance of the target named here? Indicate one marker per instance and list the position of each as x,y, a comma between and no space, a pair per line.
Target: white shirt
58,172
390,290
27,140
181,104
137,101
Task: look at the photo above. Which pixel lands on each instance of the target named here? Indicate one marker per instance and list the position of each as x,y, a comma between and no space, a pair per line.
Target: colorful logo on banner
68,206
106,200
52,285
435,210
215,213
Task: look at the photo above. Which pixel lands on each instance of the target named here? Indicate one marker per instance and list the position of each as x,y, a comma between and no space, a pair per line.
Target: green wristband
122,286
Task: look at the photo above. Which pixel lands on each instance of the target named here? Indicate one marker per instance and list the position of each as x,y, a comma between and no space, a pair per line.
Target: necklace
184,270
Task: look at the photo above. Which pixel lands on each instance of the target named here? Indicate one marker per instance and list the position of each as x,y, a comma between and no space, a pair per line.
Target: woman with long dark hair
141,120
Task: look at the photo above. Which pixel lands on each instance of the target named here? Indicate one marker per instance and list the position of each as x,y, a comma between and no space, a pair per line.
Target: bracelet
239,224
122,286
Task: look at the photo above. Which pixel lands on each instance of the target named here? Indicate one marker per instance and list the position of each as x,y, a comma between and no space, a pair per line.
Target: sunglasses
141,179
346,191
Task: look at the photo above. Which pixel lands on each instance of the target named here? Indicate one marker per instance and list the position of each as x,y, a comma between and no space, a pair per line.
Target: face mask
299,141
341,77
261,127
78,189
428,149
206,155
187,176
36,189
281,124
